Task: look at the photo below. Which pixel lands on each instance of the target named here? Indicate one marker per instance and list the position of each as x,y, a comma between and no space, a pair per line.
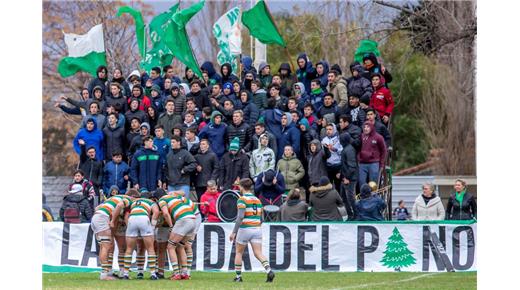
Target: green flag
139,27
176,38
160,55
366,46
261,26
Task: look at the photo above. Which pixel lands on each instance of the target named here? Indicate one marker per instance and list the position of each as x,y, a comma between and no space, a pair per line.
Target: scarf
316,91
460,196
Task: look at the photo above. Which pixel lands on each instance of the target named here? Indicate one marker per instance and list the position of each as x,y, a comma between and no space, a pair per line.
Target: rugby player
101,226
248,229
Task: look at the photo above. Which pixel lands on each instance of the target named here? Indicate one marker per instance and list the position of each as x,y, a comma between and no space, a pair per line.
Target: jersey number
255,208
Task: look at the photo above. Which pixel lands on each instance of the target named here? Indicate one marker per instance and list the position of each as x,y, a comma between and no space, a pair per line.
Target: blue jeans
184,188
368,169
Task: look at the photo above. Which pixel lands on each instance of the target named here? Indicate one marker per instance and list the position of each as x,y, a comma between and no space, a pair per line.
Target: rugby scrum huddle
161,223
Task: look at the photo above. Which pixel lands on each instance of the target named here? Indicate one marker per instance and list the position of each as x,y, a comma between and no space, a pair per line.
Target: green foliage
409,142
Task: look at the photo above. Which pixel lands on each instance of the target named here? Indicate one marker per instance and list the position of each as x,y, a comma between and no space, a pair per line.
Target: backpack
71,212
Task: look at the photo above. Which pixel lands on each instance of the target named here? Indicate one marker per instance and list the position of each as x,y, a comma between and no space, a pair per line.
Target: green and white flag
86,52
229,37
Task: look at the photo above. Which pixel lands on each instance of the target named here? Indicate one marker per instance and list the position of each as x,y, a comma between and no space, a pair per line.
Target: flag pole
277,30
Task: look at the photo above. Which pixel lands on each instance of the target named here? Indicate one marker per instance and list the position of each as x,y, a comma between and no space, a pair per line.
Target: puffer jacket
325,201
340,92
359,86
292,170
431,211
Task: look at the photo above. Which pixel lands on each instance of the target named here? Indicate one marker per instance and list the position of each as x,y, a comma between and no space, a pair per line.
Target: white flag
229,37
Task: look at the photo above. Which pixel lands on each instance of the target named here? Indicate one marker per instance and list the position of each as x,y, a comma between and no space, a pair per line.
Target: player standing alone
248,229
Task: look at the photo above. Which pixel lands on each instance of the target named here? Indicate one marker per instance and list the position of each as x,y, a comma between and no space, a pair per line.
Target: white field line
386,283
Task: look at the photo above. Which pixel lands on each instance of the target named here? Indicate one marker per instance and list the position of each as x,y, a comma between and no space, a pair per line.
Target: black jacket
242,131
210,167
349,164
92,168
79,201
114,140
179,166
465,211
317,162
355,136
231,167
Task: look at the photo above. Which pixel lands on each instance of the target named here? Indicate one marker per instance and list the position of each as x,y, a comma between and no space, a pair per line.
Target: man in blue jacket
146,166
215,132
115,173
290,135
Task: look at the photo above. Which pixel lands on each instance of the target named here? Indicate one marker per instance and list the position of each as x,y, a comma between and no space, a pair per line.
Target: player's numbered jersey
253,207
178,207
141,206
110,204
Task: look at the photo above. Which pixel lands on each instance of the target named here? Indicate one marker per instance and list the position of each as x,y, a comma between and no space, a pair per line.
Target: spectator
238,129
178,166
227,74
322,72
259,95
316,95
133,79
288,79
189,122
325,200
137,141
262,159
100,80
157,98
190,141
90,136
291,168
92,167
207,167
265,76
294,209
401,212
251,112
168,73
207,67
46,210
76,207
272,118
355,111
428,206
259,130
337,86
269,187
332,142
329,107
461,204
247,66
300,95
346,127
372,66
317,161
379,127
198,95
372,155
227,111
116,173
134,112
274,93
113,137
117,97
191,106
152,116
135,130
208,202
144,101
308,113
169,119
234,166
145,171
305,72
349,175
357,85
215,133
290,135
156,78
117,77
370,207
179,100
381,99
247,81
189,76
162,143
217,98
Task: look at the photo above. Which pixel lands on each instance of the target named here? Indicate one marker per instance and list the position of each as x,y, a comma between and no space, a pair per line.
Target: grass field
283,280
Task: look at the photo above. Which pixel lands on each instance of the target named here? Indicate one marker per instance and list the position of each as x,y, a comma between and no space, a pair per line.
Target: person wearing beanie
325,201
262,158
234,166
215,132
264,74
370,207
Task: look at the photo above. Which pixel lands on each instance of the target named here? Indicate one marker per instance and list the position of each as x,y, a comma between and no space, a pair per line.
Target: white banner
345,247
229,37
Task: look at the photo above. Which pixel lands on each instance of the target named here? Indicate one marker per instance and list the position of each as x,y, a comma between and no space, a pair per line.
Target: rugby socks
184,269
128,263
152,263
189,259
140,264
175,268
110,261
266,266
105,268
121,261
238,269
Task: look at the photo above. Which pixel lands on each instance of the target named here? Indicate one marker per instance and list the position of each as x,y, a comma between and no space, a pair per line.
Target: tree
397,255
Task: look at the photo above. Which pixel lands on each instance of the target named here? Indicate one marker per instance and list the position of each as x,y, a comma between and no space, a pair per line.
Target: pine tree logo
397,254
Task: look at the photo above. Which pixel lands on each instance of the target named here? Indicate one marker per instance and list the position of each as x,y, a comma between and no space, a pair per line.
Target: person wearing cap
215,132
262,159
370,207
234,165
179,166
269,187
76,200
169,118
325,201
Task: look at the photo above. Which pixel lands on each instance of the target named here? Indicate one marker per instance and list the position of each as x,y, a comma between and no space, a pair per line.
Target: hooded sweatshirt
210,210
287,80
307,73
208,66
215,134
247,63
317,162
382,101
335,153
324,81
262,159
229,77
373,148
359,86
92,138
304,97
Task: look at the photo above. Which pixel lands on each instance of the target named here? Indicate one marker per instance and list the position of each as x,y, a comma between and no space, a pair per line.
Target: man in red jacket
208,202
381,99
372,155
